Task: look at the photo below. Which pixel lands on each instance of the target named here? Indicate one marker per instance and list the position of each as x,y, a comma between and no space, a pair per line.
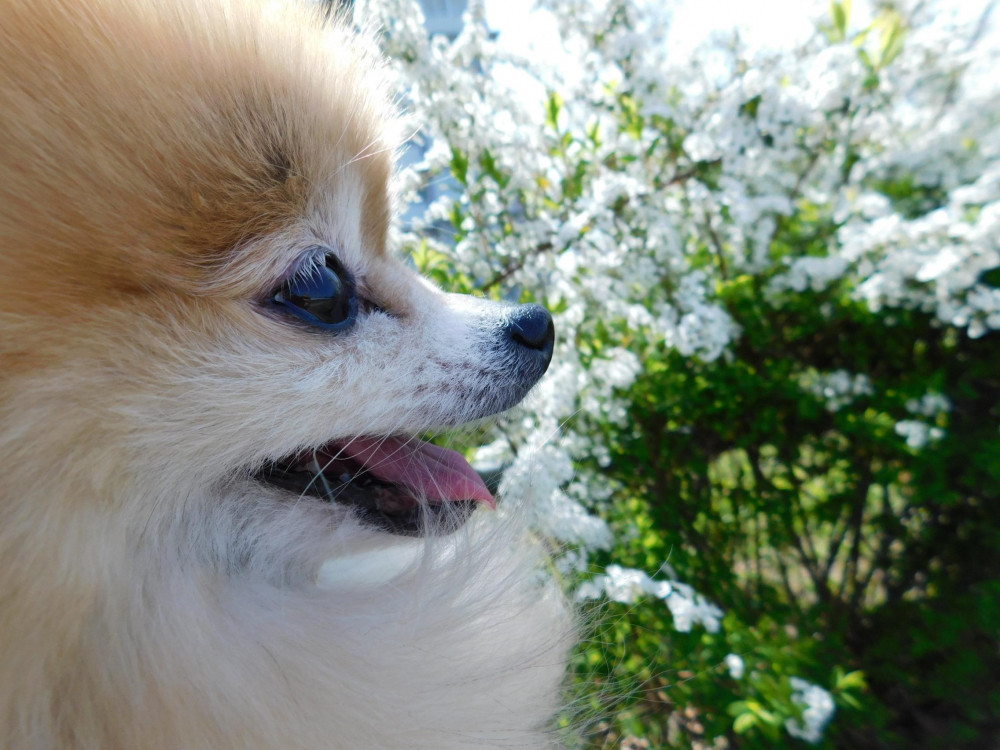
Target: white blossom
930,404
817,711
626,585
836,389
811,273
918,434
735,665
630,238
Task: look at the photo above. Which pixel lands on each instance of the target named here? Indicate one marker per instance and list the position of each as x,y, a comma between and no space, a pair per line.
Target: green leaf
457,217
840,12
552,109
594,134
459,165
737,707
852,681
490,167
744,723
849,700
893,32
750,107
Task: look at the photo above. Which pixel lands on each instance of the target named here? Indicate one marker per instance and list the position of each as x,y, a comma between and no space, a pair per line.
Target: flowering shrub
776,278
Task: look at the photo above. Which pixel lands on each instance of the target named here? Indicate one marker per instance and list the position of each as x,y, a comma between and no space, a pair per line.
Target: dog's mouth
403,485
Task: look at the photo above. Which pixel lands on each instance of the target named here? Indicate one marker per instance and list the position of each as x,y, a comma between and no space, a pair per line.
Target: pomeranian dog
219,525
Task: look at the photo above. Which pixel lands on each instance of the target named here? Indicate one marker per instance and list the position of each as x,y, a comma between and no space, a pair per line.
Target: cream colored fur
163,166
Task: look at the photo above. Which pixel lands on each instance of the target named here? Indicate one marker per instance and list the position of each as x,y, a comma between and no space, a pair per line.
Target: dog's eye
324,296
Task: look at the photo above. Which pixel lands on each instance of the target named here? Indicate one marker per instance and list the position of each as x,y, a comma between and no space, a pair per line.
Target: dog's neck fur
463,648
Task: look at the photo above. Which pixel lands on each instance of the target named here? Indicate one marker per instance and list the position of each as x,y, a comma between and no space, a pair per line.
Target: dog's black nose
531,326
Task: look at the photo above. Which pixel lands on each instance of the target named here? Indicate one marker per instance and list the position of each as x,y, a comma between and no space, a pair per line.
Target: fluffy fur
164,166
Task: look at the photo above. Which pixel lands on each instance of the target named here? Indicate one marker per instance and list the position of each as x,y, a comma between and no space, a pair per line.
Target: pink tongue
432,472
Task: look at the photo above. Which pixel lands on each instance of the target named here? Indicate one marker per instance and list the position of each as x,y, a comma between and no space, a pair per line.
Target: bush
776,277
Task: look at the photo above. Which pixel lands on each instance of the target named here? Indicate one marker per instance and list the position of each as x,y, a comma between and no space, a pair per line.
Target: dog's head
195,286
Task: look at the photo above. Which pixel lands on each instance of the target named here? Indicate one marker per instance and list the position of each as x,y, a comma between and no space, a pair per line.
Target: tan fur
162,166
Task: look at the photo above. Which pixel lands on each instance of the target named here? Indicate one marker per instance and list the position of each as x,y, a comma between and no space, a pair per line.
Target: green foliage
825,521
878,559
841,552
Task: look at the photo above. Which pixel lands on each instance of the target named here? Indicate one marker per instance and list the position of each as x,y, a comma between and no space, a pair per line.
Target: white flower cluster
627,201
942,138
836,389
817,710
587,202
934,263
626,585
930,404
815,273
735,665
537,483
918,434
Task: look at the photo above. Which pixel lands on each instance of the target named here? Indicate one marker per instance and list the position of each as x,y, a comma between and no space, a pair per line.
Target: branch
804,557
513,268
717,244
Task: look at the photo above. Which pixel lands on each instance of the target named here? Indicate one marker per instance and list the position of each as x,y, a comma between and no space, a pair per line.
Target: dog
219,525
